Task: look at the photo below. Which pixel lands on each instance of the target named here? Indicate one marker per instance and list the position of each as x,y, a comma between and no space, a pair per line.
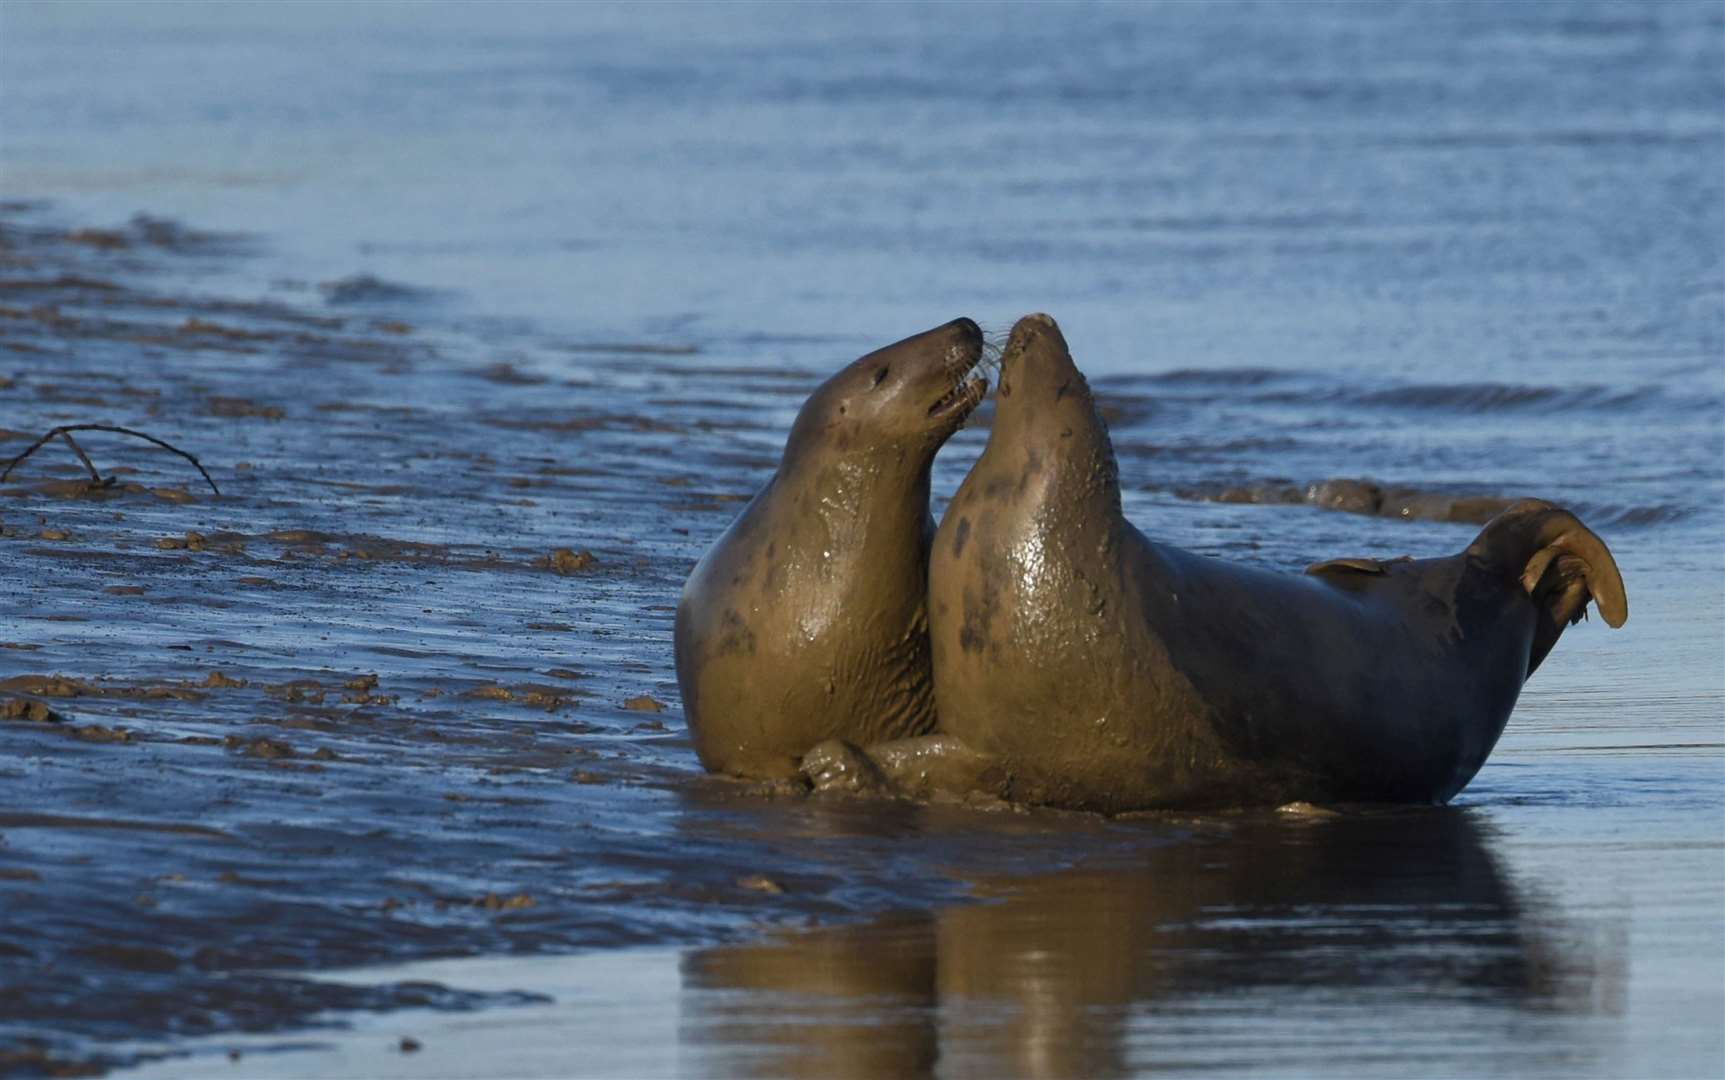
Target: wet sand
402,690
1279,946
403,693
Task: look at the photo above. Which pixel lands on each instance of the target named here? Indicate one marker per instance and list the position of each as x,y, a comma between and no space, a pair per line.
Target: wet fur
807,619
1101,670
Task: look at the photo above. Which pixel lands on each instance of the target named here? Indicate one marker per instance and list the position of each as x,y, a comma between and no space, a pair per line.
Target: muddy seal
1103,671
806,620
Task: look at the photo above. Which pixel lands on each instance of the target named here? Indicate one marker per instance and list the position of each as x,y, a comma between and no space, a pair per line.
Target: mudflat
487,330
403,691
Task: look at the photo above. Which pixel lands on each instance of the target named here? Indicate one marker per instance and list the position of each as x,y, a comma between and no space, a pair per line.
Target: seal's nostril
968,326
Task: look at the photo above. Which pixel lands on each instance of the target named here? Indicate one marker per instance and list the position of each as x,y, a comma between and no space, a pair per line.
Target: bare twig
95,477
65,431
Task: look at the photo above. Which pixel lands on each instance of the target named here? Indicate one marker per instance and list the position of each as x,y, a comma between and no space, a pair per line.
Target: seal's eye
880,376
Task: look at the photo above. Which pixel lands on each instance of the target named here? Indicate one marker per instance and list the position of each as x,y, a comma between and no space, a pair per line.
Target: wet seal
807,619
1093,668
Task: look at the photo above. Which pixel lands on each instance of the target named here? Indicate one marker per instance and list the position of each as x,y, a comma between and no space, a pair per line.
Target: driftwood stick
95,477
65,432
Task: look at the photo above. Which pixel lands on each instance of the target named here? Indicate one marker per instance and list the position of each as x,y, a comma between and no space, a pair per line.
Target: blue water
1398,188
1471,248
1508,215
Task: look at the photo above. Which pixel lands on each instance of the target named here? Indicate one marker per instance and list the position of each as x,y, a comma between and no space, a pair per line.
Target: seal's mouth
967,385
957,404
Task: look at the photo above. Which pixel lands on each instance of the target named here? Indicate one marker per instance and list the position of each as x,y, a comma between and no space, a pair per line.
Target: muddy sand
403,692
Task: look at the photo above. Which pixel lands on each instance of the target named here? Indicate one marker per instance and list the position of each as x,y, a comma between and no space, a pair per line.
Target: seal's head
1040,386
901,402
1044,412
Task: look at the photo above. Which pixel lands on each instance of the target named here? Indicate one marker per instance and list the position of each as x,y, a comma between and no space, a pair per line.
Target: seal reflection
1047,975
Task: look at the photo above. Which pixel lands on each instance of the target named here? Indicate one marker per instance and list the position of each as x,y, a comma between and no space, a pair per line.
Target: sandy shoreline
619,1008
1161,960
357,717
358,706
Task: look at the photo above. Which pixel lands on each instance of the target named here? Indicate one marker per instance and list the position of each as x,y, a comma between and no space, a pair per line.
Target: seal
806,619
1103,671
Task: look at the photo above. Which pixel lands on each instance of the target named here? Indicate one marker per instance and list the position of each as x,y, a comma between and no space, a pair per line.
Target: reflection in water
1207,935
833,1004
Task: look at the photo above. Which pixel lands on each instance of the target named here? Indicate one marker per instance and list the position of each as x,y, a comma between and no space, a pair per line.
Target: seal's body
1103,671
806,620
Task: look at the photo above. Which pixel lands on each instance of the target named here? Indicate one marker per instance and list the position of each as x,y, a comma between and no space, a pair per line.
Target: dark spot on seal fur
1032,466
963,535
969,640
735,637
979,611
1061,392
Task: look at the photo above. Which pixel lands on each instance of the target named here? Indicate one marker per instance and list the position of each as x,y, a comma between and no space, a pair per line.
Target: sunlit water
1473,249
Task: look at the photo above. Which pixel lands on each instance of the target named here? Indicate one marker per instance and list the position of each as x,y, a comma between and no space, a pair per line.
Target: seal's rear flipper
1559,562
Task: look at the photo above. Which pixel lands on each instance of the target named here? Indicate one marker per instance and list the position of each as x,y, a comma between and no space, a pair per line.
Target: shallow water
512,280
1282,947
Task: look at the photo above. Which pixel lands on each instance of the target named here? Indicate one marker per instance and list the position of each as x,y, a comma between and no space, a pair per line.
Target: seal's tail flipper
1561,564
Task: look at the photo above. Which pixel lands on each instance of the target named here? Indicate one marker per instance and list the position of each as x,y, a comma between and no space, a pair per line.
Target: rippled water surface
434,292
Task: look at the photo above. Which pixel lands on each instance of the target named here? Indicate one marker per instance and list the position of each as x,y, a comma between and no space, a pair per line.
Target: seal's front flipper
836,765
929,764
1342,567
1353,574
1559,562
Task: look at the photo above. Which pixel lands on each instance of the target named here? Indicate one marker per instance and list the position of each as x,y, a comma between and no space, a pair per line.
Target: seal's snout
961,394
1036,334
1036,358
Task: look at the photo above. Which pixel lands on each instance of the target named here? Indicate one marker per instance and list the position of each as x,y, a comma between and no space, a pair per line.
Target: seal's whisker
993,347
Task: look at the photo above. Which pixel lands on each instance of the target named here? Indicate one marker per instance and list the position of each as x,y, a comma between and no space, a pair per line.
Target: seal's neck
1054,471
1049,457
881,488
